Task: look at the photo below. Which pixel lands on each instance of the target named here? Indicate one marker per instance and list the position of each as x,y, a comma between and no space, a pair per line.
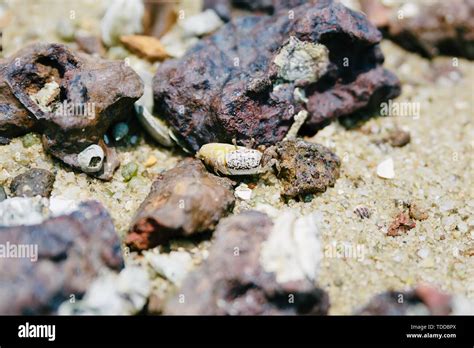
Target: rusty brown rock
71,99
232,280
423,300
71,251
242,94
430,28
183,201
400,225
15,120
32,183
305,168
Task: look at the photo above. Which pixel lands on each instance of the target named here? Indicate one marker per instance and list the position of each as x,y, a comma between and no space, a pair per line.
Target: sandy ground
435,170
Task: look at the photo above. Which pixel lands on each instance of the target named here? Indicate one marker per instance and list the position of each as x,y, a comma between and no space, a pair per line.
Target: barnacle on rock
91,159
302,62
71,99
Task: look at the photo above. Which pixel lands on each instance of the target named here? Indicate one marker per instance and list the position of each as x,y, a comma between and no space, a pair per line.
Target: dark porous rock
423,300
240,83
32,183
4,141
183,201
363,95
232,280
429,28
70,98
71,251
305,168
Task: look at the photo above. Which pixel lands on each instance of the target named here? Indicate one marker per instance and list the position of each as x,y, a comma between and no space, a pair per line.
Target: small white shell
91,159
385,169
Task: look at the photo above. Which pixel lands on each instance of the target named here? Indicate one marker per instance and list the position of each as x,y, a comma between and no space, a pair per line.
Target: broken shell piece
124,293
203,23
24,211
154,126
91,159
123,17
385,169
293,249
243,192
147,47
230,159
173,266
46,96
303,62
299,119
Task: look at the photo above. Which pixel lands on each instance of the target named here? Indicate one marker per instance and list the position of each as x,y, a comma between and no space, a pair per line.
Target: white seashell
385,169
113,294
123,17
17,211
154,126
173,266
293,250
91,159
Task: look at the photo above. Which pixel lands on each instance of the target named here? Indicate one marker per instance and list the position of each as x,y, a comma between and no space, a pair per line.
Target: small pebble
29,140
4,141
398,137
150,162
129,171
119,131
417,212
385,169
133,140
32,183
